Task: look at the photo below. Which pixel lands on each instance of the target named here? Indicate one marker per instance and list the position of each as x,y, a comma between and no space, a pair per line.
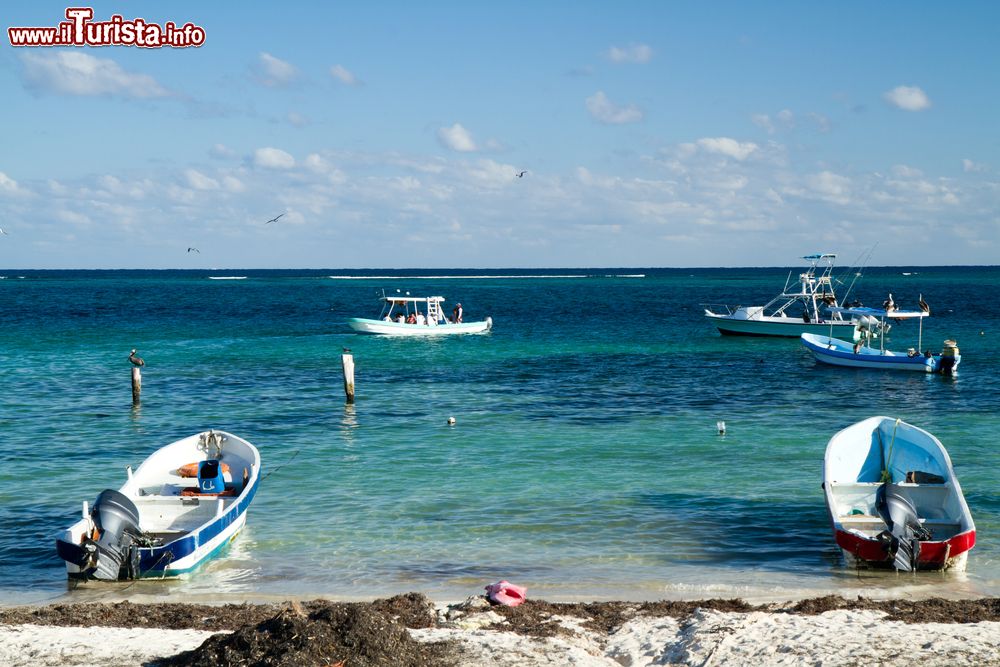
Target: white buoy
721,426
451,421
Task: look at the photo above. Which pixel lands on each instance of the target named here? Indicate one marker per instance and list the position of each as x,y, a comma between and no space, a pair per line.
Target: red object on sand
506,593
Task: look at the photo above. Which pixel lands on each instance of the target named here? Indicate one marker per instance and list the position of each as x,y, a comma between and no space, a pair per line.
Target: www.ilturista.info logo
80,30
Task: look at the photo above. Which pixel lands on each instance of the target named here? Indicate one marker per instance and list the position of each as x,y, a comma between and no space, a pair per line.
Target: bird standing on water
136,361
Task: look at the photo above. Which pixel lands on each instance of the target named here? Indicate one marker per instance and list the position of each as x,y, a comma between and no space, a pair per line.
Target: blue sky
390,135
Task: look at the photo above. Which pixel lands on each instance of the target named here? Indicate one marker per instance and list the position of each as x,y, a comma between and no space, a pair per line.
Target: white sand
707,638
44,645
716,638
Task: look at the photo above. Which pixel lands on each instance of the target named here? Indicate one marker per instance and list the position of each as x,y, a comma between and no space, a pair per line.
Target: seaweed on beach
535,617
355,634
930,610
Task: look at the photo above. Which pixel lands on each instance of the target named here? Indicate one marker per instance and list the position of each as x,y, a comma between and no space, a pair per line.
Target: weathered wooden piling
137,363
136,384
347,360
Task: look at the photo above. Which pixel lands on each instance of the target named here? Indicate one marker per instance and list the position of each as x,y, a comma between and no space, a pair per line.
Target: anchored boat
417,316
781,316
864,354
177,510
893,498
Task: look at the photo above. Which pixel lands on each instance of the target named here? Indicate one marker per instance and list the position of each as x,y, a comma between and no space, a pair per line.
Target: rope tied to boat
886,472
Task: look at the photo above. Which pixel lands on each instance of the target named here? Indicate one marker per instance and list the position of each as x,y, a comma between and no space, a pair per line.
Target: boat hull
383,328
838,352
182,527
879,465
783,327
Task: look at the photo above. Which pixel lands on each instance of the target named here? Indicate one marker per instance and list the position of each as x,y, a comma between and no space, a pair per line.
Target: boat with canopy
405,315
864,354
798,309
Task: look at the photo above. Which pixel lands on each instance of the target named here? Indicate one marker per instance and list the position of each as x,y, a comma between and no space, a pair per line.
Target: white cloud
606,111
968,166
274,72
8,185
344,75
457,138
200,181
830,186
297,119
634,53
273,158
728,147
221,152
907,98
233,184
78,73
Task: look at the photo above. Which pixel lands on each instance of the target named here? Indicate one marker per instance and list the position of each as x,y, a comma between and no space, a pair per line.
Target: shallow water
584,462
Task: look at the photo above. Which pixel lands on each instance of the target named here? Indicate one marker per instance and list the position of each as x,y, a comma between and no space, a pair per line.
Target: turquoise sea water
585,460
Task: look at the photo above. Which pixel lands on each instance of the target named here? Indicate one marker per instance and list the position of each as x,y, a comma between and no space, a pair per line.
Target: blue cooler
210,479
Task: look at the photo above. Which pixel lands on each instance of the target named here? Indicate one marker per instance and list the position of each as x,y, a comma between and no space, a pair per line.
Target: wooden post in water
136,384
137,363
347,360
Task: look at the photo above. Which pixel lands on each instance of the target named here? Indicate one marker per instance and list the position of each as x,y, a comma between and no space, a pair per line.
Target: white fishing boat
405,315
178,509
863,354
800,308
893,498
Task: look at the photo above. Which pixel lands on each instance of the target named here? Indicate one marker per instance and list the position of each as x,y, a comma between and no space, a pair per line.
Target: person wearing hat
456,314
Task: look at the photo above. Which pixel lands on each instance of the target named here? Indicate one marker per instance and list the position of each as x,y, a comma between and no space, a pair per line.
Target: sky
392,135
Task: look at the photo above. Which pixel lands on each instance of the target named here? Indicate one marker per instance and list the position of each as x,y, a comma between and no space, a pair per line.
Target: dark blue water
584,460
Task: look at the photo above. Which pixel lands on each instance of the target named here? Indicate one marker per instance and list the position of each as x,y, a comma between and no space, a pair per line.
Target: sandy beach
412,630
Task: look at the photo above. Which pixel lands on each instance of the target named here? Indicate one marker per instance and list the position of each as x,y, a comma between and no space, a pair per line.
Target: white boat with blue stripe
863,354
179,509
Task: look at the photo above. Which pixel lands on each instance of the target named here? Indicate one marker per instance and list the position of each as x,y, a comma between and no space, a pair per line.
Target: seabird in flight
521,174
194,250
274,219
136,361
2,231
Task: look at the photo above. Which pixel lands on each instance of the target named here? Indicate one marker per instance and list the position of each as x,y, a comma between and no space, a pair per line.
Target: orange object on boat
191,469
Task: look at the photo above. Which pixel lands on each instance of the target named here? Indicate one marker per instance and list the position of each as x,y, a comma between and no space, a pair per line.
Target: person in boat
412,319
456,314
401,318
420,319
857,348
911,352
805,316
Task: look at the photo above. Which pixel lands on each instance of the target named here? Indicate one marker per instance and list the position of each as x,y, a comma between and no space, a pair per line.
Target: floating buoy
451,421
721,426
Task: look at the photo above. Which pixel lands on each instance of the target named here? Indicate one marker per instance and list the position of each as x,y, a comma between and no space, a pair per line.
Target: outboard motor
210,479
904,530
112,553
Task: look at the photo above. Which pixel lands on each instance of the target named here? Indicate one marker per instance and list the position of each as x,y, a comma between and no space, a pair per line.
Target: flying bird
3,231
136,361
521,174
194,250
274,219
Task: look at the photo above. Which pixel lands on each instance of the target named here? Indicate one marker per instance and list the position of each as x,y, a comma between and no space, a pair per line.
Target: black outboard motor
114,555
905,532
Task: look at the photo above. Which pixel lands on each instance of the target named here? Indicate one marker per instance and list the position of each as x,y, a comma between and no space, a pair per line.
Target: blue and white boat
180,508
405,315
863,354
